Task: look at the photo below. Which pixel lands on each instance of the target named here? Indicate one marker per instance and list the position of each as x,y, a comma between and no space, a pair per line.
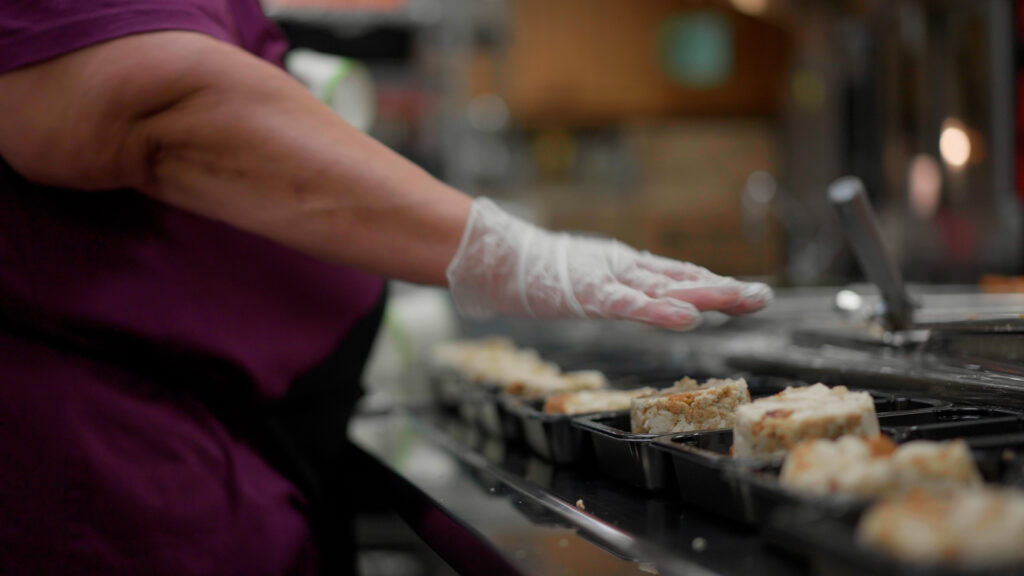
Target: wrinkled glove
507,266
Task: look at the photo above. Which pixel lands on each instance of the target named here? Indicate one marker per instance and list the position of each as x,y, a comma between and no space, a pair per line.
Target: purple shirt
103,470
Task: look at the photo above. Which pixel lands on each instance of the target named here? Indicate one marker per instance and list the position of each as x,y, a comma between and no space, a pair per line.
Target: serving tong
897,319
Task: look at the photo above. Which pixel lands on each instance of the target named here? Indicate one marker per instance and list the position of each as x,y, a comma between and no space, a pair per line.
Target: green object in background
344,68
698,49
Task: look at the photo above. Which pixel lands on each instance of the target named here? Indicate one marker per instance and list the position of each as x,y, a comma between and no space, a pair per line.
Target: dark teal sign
698,49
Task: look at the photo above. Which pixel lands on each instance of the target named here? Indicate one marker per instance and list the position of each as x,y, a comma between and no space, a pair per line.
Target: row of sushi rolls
931,504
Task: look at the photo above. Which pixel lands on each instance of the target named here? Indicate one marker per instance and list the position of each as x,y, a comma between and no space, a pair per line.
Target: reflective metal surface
488,507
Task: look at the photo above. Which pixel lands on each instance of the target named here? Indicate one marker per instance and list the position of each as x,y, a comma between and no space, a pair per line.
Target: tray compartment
447,387
473,396
624,456
550,436
490,414
494,417
702,464
553,436
826,535
705,472
953,422
630,459
995,455
828,542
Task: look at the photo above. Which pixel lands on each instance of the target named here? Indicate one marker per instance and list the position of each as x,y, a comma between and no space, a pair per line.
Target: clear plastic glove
507,266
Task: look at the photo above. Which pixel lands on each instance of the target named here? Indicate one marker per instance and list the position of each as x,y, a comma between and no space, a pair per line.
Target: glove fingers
674,269
724,294
754,296
625,303
727,297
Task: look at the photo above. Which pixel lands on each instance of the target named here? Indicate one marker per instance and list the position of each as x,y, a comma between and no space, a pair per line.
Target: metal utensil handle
862,230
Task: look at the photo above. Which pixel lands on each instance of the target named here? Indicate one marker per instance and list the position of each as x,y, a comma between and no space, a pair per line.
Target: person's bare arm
207,127
204,126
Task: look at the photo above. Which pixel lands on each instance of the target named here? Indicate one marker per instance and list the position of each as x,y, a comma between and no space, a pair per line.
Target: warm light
954,144
751,7
924,185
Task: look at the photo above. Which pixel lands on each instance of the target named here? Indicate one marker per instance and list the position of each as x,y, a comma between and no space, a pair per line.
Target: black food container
826,535
708,477
553,436
623,455
828,542
629,458
490,412
447,387
550,436
993,434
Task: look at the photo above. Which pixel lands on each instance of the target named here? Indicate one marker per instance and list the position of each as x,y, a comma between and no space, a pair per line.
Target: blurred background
702,130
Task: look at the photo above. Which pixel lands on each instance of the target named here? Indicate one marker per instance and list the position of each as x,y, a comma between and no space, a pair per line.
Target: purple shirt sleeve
106,466
32,31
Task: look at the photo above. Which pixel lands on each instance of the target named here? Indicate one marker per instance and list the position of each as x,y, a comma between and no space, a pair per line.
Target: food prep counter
486,508
489,501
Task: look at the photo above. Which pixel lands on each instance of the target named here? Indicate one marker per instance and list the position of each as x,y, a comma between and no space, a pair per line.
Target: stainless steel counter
487,508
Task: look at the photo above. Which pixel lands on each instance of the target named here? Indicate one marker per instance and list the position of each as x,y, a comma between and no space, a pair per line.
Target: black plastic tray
998,459
629,458
484,405
889,402
477,405
1000,456
951,422
447,386
454,393
761,491
550,436
704,472
472,397
709,478
487,407
828,542
825,534
490,412
625,456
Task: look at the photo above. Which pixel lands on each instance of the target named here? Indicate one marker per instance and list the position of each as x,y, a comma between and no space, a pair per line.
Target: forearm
279,163
217,132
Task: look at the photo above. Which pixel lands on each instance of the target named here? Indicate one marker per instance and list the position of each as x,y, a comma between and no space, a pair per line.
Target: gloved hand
507,266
